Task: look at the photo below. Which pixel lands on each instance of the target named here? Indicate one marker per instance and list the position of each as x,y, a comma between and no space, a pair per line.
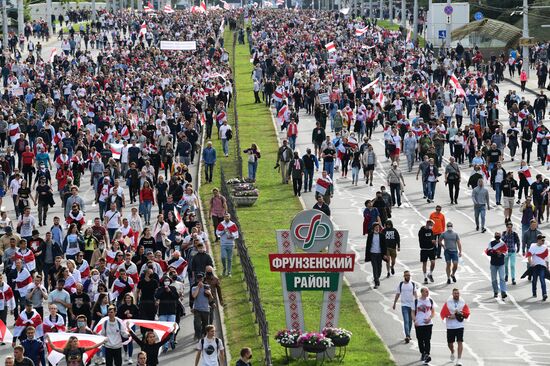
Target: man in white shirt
112,220
116,333
223,136
407,291
124,158
210,349
537,256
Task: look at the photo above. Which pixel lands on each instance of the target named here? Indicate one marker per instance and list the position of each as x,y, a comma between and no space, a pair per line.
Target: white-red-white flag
381,98
527,174
143,29
161,329
360,31
5,334
409,36
351,82
456,86
59,340
168,9
53,54
322,185
371,84
203,6
331,47
116,150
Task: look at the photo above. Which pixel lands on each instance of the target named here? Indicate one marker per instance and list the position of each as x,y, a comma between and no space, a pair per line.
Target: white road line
534,335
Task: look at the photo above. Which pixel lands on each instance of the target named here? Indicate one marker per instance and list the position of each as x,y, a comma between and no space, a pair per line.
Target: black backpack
228,134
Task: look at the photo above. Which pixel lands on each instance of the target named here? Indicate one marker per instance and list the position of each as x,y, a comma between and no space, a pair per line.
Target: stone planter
340,341
244,201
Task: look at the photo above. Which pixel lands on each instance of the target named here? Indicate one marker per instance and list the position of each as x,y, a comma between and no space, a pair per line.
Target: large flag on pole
456,86
5,334
331,47
168,9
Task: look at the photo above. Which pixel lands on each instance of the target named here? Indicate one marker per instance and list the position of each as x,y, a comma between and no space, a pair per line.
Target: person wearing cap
375,252
497,250
537,258
450,242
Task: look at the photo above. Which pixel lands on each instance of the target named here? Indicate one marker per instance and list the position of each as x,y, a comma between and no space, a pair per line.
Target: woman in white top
423,314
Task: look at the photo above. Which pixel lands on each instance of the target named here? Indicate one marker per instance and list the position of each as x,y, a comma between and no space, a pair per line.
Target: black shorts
455,335
369,167
426,254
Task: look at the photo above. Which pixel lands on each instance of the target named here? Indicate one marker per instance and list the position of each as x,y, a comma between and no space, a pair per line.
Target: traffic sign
478,15
448,19
442,34
448,10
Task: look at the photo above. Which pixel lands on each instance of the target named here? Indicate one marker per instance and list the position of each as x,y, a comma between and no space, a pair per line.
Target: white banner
178,46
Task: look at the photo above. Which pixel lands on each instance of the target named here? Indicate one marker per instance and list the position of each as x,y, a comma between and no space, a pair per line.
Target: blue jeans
308,179
431,190
145,208
500,271
510,259
292,141
407,320
227,256
498,192
328,166
168,318
479,211
225,146
252,168
538,274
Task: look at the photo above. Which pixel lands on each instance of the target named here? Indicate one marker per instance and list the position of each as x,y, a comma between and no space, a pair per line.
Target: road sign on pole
442,34
478,15
448,10
448,19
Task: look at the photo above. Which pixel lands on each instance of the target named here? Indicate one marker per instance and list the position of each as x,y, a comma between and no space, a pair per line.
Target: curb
526,88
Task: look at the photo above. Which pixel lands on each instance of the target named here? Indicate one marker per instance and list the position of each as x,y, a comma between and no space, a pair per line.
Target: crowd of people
106,135
442,116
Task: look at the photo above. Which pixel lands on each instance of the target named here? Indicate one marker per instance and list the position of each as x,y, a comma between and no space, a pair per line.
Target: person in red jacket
62,177
146,201
27,158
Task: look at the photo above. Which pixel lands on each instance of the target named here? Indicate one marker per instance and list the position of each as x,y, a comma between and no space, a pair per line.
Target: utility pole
140,5
4,25
49,15
404,15
20,17
94,11
526,35
391,11
371,16
415,20
448,28
381,17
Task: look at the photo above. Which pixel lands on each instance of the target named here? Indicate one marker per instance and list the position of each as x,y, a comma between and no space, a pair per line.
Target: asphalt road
184,354
510,332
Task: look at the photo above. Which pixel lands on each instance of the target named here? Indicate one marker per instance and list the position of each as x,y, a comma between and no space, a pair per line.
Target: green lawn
274,209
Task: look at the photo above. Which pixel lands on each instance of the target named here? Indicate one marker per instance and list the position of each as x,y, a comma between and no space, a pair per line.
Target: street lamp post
20,17
391,11
403,14
526,35
4,25
448,28
415,20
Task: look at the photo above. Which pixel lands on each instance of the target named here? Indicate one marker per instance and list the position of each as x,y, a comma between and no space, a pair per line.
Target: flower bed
243,191
288,337
340,337
314,342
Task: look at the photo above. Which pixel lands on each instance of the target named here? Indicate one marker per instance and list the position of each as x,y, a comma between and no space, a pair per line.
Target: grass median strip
274,210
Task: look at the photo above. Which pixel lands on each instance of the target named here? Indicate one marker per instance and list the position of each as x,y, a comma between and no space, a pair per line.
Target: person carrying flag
453,312
497,250
537,257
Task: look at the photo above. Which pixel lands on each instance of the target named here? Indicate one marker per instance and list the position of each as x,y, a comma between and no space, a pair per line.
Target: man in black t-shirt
426,239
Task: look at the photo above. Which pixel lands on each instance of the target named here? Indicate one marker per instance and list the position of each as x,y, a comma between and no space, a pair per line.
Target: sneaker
483,230
392,271
425,281
427,359
513,281
506,278
453,278
495,295
504,295
448,281
452,357
130,361
388,275
431,278
407,339
544,297
477,228
458,363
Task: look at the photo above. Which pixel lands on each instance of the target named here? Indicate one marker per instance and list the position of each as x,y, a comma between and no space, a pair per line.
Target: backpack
217,346
228,134
416,303
401,285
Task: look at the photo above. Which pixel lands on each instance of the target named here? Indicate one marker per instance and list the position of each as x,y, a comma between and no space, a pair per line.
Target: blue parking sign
442,34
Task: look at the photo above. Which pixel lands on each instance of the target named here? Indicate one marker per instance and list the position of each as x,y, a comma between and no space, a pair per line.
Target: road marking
534,335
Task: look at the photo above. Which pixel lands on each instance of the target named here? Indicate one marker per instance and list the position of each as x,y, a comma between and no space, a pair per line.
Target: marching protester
453,312
407,291
423,314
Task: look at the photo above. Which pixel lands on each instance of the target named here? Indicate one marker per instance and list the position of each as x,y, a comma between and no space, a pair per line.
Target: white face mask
166,283
95,277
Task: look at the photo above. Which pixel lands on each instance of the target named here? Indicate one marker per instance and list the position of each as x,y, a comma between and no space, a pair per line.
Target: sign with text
318,262
312,281
178,46
324,98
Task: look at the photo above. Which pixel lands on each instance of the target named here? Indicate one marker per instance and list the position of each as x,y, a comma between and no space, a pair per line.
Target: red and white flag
451,307
203,6
456,86
116,150
351,82
360,31
281,113
179,264
380,98
527,174
22,282
500,248
538,251
331,47
180,227
125,132
59,340
14,132
53,54
485,171
119,286
54,326
84,270
23,321
371,84
5,334
78,122
143,29
409,36
322,185
280,2
226,5
70,285
27,258
7,300
161,329
168,9
279,94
